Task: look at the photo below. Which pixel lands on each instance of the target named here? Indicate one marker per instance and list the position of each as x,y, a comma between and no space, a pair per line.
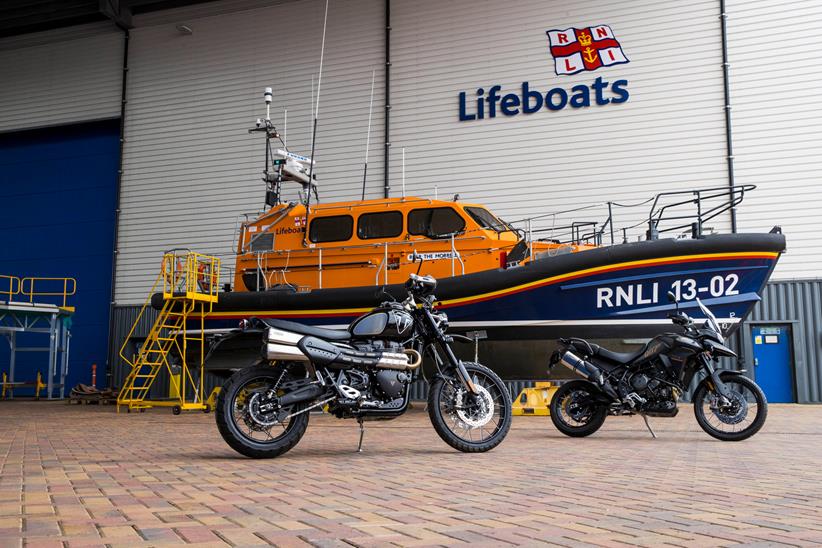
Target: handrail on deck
734,196
61,288
13,286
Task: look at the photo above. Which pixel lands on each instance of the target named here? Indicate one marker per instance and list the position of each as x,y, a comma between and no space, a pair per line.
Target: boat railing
684,211
708,204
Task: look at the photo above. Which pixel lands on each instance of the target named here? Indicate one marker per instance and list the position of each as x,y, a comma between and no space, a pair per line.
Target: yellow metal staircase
189,288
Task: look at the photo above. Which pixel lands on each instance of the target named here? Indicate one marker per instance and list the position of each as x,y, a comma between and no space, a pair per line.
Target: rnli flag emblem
575,50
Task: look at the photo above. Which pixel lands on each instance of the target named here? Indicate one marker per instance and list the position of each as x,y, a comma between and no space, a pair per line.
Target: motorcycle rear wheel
467,422
573,414
255,433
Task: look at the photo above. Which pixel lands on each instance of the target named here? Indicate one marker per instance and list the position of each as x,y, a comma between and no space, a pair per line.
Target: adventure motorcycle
364,372
727,405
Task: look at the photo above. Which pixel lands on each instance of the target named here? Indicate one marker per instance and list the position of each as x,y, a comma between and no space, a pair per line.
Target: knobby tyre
743,417
467,422
574,411
243,421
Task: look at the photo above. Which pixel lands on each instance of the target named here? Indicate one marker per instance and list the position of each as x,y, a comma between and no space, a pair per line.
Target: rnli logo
576,50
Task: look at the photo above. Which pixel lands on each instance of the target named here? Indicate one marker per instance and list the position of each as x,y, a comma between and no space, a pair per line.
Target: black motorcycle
727,405
365,373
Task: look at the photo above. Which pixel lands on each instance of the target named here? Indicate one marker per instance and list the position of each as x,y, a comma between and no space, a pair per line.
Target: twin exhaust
287,346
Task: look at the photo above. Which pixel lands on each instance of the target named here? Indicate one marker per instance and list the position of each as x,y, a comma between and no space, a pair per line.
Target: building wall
190,166
777,124
60,77
669,135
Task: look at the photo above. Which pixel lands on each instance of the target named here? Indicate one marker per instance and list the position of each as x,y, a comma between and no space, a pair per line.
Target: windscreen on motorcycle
711,319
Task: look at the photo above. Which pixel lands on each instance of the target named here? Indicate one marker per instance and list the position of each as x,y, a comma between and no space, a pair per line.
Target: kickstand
651,430
362,433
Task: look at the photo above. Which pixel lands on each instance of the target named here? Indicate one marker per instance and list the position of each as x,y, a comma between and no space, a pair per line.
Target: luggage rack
189,283
37,305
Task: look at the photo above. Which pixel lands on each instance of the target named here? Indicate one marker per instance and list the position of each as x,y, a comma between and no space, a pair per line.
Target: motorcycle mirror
414,257
672,299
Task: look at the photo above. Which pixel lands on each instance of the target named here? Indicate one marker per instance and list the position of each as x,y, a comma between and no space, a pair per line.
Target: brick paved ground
78,476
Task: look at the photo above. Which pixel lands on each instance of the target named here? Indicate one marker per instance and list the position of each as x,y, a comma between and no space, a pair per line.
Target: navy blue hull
613,292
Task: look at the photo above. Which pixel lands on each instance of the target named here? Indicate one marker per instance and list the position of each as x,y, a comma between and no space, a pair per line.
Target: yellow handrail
69,288
190,274
12,289
137,322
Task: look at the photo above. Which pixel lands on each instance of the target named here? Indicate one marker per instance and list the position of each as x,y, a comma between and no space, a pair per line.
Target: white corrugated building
194,84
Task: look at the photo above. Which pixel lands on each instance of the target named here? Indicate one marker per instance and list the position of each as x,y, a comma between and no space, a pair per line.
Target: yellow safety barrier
190,275
38,385
535,400
61,288
9,286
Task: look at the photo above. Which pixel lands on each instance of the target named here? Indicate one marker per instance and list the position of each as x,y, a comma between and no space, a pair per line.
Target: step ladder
189,290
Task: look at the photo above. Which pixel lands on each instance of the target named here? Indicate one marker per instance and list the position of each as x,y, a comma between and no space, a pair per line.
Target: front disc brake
734,411
475,410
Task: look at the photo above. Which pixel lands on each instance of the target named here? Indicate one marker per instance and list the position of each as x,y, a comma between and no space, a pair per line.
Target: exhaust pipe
588,370
584,368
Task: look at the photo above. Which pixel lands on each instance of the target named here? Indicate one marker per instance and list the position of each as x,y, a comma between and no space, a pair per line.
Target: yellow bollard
535,400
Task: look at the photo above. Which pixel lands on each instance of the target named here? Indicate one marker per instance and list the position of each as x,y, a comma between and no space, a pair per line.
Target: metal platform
51,321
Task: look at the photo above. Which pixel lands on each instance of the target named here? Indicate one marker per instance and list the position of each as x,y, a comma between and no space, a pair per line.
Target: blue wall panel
57,201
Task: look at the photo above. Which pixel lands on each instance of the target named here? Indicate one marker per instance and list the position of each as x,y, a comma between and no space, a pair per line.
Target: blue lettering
527,96
463,115
598,86
619,87
581,97
549,99
530,101
492,99
509,104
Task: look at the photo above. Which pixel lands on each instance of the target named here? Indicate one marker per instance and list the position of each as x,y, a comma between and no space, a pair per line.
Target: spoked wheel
733,419
248,416
574,410
472,423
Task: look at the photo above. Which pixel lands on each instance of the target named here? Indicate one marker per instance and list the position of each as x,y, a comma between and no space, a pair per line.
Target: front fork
717,383
450,357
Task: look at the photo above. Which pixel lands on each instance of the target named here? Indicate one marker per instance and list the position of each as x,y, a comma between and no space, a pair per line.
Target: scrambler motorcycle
727,405
364,373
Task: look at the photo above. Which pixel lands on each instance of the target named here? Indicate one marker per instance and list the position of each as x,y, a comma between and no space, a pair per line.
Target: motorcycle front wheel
248,421
471,423
574,410
734,419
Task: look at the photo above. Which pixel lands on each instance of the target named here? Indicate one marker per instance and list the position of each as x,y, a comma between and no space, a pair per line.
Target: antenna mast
314,130
368,134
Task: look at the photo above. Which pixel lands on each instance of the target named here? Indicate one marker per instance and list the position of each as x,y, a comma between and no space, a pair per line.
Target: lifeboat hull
610,292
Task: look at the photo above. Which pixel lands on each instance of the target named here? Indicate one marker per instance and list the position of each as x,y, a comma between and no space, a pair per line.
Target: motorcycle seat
302,329
609,355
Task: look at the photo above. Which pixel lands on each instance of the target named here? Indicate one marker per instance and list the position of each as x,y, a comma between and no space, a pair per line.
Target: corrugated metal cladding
191,167
60,77
777,129
800,301
669,135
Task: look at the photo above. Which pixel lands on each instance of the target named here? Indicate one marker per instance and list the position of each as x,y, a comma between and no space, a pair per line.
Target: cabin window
486,219
435,222
338,228
385,224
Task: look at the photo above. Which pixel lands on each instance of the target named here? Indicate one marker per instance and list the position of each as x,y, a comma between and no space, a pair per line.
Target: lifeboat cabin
376,242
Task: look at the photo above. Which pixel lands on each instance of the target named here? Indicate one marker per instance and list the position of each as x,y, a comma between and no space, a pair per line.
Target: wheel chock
535,400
